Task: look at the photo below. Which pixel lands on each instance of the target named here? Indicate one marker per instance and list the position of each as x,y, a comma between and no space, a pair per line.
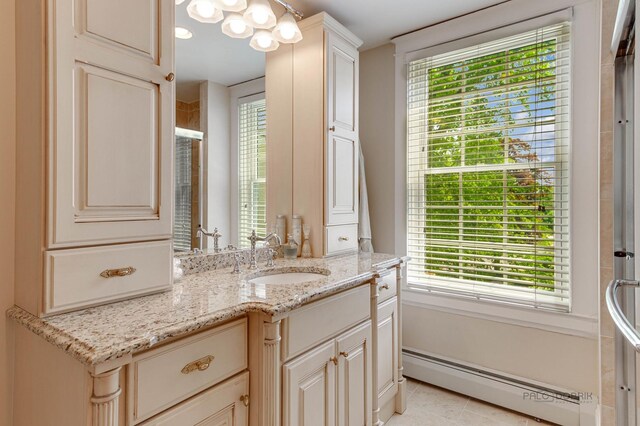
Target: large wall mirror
220,144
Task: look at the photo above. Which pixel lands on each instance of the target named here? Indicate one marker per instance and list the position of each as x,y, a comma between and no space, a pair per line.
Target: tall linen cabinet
312,137
94,175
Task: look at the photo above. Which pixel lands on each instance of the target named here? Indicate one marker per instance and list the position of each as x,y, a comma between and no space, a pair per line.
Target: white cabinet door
342,85
342,151
223,405
111,115
342,180
309,388
387,350
354,376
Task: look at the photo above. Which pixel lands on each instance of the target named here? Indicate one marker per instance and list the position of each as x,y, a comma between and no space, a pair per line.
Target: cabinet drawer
73,277
316,322
387,286
165,376
223,404
341,239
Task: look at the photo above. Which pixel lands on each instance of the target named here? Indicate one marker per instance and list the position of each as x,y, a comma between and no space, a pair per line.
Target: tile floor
429,405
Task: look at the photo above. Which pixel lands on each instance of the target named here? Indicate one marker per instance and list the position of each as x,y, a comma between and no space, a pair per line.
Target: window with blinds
252,155
488,170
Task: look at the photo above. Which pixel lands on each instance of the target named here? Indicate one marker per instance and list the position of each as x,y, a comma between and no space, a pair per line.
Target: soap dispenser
290,249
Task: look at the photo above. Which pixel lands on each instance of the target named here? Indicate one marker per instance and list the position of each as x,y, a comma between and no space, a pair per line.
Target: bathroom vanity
224,348
104,336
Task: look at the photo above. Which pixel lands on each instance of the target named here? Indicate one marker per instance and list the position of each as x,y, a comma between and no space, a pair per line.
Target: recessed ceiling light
183,33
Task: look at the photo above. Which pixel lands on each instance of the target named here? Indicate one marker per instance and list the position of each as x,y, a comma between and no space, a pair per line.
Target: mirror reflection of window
252,161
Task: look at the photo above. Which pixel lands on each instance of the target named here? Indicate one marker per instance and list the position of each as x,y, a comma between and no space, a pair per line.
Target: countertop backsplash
208,261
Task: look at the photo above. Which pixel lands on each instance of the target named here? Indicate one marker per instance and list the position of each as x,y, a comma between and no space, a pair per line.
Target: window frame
240,101
469,287
236,94
493,23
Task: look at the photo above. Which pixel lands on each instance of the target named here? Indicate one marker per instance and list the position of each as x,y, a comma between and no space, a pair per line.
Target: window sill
557,322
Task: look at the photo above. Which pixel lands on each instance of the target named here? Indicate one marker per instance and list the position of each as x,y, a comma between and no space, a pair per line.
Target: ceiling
211,55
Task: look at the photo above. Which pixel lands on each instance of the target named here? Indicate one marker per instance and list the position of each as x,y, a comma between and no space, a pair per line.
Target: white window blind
252,145
488,170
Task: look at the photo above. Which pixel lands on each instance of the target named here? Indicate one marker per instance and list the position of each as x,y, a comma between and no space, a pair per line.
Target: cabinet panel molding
115,148
342,180
121,23
309,388
388,350
342,96
354,376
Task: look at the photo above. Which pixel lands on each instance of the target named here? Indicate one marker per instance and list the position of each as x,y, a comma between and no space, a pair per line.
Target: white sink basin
287,277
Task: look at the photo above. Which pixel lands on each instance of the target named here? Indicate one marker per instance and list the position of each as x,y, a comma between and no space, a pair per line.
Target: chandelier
254,19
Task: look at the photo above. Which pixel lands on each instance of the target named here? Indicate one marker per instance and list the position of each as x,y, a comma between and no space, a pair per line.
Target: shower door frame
624,233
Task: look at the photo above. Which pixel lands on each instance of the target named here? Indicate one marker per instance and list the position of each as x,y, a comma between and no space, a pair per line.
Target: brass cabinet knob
334,360
245,400
384,287
344,354
332,128
170,77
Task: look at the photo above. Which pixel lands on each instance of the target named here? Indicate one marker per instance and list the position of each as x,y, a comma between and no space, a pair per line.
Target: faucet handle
236,263
271,255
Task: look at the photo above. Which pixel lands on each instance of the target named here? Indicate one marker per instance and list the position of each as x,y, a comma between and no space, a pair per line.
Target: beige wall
377,124
560,360
215,116
7,200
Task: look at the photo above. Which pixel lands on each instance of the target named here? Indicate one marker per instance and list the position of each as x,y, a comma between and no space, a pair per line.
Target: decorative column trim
104,400
271,374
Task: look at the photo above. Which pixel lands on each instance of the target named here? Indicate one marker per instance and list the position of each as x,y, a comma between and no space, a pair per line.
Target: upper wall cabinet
315,117
95,119
112,100
342,150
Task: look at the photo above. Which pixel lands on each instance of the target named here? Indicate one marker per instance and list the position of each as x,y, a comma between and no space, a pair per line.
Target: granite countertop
100,334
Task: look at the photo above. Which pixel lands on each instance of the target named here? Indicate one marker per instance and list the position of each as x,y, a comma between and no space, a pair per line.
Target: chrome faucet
253,264
215,235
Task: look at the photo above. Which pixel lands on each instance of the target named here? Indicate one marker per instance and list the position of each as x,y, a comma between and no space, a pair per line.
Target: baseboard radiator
561,407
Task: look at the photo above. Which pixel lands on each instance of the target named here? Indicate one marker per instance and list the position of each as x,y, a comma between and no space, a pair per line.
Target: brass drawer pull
245,400
198,365
344,354
121,272
343,238
384,287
